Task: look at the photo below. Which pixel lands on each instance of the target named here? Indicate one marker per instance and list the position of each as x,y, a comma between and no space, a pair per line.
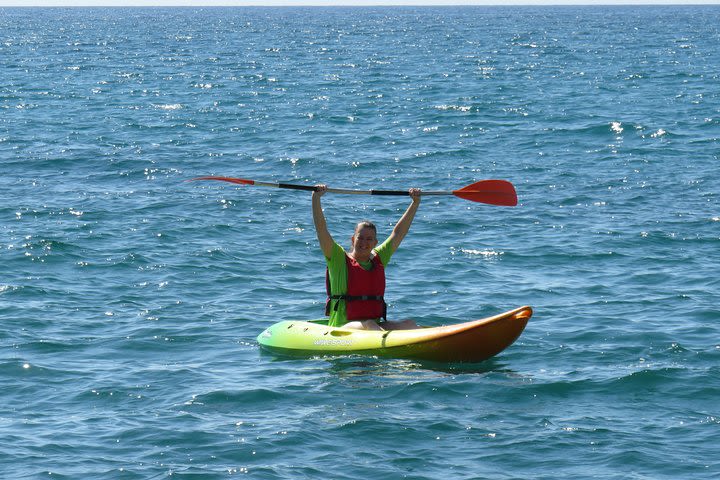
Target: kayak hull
472,341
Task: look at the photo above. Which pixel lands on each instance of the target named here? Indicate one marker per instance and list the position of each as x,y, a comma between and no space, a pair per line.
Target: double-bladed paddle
492,192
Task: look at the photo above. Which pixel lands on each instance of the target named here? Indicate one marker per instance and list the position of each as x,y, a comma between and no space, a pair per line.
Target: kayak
472,341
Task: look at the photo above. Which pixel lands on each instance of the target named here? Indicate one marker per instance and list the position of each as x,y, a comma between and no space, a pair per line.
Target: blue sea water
130,299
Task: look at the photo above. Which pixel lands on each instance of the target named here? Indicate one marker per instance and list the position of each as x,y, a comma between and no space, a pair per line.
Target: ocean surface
131,299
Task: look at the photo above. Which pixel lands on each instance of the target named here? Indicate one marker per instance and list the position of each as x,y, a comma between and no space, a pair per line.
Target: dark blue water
130,299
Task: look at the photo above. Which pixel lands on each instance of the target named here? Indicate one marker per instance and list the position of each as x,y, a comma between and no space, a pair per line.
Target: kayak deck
472,341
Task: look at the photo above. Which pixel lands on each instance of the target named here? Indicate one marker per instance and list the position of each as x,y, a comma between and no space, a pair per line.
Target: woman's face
364,240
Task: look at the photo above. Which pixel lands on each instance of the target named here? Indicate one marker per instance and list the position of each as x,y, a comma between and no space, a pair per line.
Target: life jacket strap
350,298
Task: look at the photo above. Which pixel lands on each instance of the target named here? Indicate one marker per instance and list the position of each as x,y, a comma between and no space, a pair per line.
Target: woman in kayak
356,280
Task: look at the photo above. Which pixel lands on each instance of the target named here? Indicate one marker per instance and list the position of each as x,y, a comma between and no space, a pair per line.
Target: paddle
492,192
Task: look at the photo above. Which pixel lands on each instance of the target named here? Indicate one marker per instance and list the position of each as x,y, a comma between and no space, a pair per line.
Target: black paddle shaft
389,192
291,186
313,188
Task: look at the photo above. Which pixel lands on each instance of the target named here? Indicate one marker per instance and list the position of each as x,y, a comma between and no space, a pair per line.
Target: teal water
130,299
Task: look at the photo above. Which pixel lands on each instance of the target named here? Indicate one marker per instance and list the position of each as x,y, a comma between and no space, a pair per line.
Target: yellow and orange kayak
472,341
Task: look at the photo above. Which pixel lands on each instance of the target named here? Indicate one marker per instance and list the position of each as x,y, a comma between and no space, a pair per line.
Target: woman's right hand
320,189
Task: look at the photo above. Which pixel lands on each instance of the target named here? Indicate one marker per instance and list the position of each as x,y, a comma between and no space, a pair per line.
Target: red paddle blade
493,192
228,179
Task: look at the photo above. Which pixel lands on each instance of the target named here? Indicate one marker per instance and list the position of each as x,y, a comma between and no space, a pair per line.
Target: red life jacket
365,289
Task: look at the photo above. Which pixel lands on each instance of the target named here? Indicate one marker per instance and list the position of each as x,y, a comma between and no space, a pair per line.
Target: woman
356,280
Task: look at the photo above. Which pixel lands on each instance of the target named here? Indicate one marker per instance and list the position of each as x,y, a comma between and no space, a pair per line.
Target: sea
131,298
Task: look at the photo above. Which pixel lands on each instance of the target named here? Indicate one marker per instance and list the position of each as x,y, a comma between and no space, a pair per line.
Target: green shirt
337,271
